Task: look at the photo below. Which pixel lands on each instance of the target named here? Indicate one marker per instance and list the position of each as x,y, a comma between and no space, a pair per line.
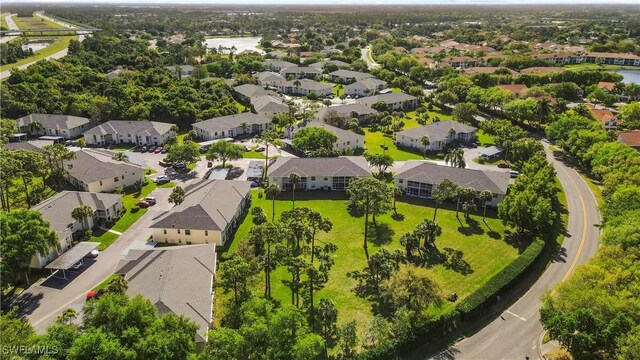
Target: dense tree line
77,86
594,314
13,51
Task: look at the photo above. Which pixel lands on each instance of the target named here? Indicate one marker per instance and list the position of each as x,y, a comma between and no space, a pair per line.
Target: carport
72,256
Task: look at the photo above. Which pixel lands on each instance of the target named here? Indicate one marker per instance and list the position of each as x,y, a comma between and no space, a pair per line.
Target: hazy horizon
330,2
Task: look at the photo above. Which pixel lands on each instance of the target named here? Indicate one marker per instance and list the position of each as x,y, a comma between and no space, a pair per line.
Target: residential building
338,63
31,145
232,125
348,76
66,126
395,101
334,115
604,116
346,138
612,58
244,93
301,72
180,70
609,86
418,178
440,134
487,70
318,173
129,132
94,170
631,138
269,78
304,87
365,87
177,280
462,61
490,153
517,89
57,211
268,105
209,214
278,65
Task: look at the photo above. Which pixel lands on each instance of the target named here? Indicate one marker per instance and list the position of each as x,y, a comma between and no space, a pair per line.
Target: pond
35,46
241,44
629,76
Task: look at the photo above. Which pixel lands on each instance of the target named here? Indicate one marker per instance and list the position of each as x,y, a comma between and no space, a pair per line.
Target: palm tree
296,82
455,157
428,230
272,191
268,137
82,213
452,134
120,156
294,179
117,285
543,110
485,196
244,126
425,142
34,127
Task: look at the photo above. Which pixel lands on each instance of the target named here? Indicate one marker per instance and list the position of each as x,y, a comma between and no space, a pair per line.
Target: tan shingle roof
338,166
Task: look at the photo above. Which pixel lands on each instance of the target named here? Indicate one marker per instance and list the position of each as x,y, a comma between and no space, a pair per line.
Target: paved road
56,55
12,26
516,333
365,56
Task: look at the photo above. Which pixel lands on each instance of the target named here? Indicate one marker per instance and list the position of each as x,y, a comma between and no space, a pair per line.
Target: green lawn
486,255
485,139
60,44
35,23
3,21
168,185
129,201
103,284
17,198
105,238
588,66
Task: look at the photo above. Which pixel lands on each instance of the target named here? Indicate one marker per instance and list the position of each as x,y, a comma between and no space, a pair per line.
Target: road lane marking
516,315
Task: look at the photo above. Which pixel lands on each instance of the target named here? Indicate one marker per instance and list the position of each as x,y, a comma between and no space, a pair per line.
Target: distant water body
629,76
241,44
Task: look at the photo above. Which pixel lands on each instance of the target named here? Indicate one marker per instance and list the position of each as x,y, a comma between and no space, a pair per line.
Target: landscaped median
132,214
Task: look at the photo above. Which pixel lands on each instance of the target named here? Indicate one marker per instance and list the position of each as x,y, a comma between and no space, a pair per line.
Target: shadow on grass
473,227
518,241
454,261
381,234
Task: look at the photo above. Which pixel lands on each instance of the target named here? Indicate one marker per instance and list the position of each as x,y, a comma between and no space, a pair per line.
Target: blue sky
342,2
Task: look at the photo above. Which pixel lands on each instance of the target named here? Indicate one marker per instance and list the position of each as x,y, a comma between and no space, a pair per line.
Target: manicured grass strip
103,285
589,66
168,185
60,44
35,23
105,238
129,201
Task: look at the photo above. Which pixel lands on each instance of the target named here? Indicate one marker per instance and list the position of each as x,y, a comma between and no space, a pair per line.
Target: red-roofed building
606,85
631,138
552,101
605,116
514,88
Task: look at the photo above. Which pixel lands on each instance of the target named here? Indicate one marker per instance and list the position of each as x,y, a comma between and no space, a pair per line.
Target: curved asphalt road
516,333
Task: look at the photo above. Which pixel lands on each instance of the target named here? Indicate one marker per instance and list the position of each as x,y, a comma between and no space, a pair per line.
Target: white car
76,266
161,179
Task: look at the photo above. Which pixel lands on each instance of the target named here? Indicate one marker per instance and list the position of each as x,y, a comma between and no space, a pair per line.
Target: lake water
629,76
35,46
241,44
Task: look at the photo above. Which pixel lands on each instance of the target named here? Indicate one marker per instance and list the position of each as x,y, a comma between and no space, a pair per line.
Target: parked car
164,151
143,203
503,165
260,149
179,165
165,162
158,150
152,148
76,266
143,149
162,179
70,143
93,254
150,199
513,174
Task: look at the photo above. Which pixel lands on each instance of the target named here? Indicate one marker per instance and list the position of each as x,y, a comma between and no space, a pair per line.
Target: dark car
143,149
152,148
164,151
143,203
179,165
503,165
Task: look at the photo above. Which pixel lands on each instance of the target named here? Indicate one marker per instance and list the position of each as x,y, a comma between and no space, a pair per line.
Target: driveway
45,301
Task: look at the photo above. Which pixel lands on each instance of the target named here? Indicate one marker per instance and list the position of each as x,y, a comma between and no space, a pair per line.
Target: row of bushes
471,307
